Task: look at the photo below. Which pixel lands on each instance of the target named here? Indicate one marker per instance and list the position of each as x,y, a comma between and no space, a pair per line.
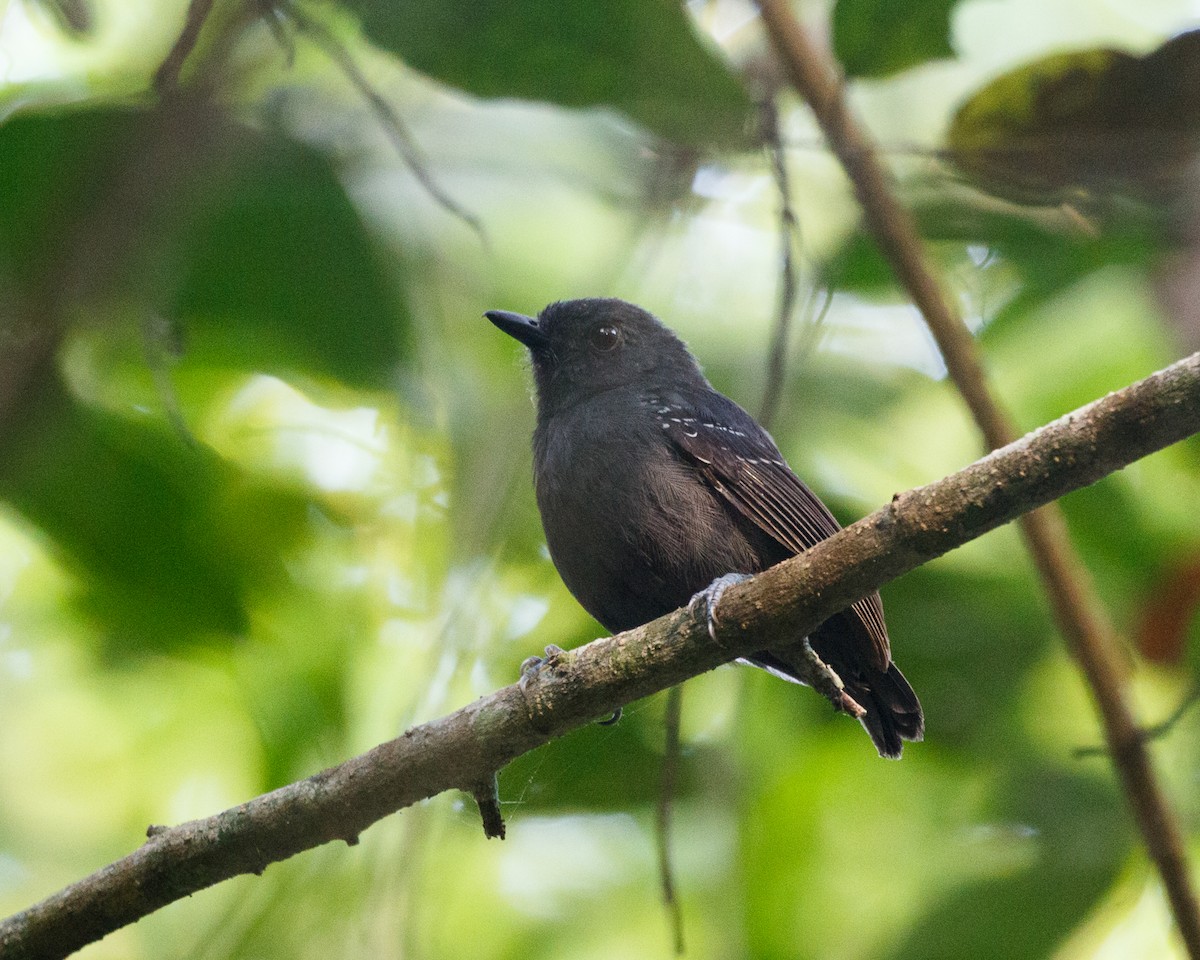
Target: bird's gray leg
710,597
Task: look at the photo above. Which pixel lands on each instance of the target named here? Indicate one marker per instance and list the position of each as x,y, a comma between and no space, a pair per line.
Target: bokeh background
265,492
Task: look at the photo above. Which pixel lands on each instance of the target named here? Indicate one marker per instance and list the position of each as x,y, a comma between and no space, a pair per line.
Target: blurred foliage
264,470
74,17
1093,120
871,41
248,241
638,56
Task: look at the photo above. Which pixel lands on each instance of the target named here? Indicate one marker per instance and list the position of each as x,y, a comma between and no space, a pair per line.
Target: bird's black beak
519,327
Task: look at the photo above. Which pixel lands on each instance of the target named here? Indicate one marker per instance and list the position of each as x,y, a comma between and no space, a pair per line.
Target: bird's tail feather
893,710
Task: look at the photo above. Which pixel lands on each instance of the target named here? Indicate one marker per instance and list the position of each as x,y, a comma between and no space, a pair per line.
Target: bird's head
584,347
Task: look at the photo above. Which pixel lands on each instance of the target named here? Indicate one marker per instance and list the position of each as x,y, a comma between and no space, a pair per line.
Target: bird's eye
606,336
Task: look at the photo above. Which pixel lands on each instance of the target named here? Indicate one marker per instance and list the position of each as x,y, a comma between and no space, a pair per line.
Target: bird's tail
893,710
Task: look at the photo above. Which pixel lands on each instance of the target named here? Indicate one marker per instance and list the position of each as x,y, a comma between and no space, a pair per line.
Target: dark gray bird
651,485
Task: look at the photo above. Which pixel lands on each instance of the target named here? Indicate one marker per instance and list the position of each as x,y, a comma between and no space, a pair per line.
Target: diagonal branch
1081,617
462,750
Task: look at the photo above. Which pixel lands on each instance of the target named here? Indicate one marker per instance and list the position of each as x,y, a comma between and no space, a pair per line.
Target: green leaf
858,265
278,274
51,165
165,538
641,57
246,239
1080,838
1098,120
876,38
1048,255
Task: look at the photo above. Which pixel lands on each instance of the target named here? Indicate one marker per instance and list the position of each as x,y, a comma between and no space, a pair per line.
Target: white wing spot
724,429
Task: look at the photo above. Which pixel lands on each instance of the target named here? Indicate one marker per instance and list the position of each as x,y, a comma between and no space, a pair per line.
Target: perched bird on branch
652,485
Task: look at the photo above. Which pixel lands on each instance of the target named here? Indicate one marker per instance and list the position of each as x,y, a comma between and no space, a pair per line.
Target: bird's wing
741,462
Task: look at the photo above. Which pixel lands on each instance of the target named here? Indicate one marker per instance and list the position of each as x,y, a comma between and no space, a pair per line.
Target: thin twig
1162,728
1156,731
665,813
814,318
395,128
277,22
1077,610
788,282
160,345
460,750
166,77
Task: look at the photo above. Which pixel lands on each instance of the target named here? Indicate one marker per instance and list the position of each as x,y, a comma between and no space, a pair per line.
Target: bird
652,485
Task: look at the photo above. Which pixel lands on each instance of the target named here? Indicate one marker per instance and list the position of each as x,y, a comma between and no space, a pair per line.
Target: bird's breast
633,529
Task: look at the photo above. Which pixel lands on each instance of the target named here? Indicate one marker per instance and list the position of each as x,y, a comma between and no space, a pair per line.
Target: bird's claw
532,666
710,596
616,715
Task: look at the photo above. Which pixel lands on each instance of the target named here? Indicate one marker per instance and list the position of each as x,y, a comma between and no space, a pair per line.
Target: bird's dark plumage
651,485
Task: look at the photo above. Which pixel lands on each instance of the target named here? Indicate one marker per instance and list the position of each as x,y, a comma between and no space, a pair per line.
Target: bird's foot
531,686
532,666
710,597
